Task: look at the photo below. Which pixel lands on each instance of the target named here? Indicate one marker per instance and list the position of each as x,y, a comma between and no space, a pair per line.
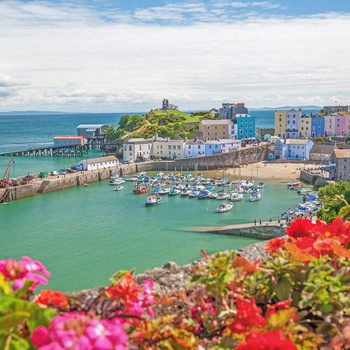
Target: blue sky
119,56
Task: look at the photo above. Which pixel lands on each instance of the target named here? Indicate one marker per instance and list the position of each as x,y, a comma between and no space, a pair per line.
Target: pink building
62,141
340,125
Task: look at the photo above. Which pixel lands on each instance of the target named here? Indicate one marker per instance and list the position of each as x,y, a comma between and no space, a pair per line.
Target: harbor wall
246,155
314,179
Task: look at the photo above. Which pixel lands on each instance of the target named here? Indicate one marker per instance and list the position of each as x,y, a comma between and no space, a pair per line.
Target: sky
129,55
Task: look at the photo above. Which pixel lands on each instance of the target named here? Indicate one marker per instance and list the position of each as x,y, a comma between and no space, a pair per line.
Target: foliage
298,298
165,124
334,197
319,139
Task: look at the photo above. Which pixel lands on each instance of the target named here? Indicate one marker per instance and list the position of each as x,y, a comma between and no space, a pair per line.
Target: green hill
165,124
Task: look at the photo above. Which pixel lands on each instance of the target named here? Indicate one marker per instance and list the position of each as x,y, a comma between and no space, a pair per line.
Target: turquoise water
85,234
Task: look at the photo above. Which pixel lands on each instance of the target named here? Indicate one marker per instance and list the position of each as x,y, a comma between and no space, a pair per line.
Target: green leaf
12,320
282,288
280,319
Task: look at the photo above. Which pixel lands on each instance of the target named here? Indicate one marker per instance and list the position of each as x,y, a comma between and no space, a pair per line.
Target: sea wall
246,155
314,179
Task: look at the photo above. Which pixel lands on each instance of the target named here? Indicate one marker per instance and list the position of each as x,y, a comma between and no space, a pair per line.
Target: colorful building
216,129
292,123
194,148
221,146
296,149
280,123
340,125
317,126
305,126
329,125
245,126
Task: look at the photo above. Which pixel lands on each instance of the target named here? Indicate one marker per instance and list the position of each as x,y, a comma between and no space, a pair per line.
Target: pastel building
292,121
166,148
136,148
280,123
194,148
317,126
305,126
245,126
298,149
329,125
221,146
340,125
216,129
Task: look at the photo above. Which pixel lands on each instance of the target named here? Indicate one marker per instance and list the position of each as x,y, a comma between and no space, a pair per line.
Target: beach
265,170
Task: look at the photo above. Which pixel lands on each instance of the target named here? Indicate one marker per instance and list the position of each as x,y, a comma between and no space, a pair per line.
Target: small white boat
224,207
152,200
255,197
261,184
118,188
235,197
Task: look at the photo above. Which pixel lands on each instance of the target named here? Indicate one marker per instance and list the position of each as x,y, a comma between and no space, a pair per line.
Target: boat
164,191
235,197
118,188
261,184
141,189
186,193
174,192
221,195
152,200
224,207
254,197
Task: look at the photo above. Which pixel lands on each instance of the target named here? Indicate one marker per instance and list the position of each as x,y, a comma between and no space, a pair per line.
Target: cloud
55,56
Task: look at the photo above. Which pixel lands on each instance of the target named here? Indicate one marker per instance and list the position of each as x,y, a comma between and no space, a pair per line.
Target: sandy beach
264,170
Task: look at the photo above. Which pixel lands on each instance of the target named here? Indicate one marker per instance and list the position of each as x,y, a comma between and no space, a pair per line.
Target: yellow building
216,129
305,126
280,123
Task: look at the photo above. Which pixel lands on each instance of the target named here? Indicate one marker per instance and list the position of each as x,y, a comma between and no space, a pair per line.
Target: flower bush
297,298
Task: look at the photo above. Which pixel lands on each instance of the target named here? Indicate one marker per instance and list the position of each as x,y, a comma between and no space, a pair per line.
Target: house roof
193,142
68,137
136,140
321,148
342,153
101,160
90,126
296,141
221,141
216,122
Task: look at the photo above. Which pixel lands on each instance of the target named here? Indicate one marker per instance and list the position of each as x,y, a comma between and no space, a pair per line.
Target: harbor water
83,235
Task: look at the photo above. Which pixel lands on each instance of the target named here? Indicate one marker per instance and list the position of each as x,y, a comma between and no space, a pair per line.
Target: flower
25,269
275,245
248,314
270,340
80,331
51,298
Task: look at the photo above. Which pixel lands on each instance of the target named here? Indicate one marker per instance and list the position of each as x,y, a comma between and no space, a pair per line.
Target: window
169,147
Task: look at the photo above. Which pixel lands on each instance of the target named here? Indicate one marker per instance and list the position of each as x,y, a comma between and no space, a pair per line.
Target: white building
109,162
166,148
135,149
298,149
221,146
194,148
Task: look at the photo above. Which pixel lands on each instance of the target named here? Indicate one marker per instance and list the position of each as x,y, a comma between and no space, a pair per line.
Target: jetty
264,231
54,152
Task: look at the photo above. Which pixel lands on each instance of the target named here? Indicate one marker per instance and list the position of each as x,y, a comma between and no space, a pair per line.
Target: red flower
49,297
271,340
248,314
301,228
275,245
126,289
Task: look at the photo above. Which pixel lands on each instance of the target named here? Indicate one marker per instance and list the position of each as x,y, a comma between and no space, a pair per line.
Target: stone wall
314,179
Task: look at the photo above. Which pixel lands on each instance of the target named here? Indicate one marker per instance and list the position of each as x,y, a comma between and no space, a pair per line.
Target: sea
83,235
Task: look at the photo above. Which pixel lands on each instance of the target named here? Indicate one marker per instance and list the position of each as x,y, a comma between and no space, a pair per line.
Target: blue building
245,126
317,126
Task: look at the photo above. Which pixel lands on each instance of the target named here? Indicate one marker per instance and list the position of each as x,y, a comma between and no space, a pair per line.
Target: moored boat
224,207
152,200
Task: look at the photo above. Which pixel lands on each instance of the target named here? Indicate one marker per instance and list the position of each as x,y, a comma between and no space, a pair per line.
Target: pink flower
81,332
25,269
